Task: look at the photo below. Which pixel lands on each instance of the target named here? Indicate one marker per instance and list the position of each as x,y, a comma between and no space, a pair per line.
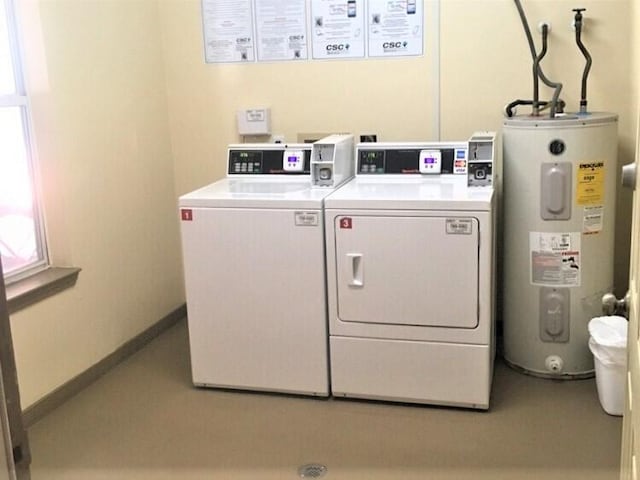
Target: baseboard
53,400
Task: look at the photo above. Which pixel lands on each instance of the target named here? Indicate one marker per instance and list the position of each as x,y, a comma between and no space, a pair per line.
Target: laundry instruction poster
338,28
395,28
555,259
228,31
281,30
250,31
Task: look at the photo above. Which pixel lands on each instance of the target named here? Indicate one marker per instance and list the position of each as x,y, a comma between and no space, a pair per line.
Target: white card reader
430,161
293,161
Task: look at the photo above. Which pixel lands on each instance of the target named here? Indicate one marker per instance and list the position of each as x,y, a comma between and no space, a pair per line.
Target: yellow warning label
590,184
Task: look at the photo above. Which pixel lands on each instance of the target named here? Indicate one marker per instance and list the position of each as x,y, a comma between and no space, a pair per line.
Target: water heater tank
559,219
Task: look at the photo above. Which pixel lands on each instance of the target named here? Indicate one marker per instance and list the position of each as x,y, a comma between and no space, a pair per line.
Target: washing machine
254,266
411,274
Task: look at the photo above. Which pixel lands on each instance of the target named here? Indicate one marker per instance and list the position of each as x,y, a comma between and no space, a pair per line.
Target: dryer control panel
269,159
412,158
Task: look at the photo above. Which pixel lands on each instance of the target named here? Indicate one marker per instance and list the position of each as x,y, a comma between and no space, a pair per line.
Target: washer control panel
269,159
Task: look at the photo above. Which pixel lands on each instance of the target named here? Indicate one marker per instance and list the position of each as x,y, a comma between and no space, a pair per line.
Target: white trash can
608,343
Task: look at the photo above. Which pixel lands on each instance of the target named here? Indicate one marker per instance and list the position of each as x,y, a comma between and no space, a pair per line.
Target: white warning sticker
592,219
555,259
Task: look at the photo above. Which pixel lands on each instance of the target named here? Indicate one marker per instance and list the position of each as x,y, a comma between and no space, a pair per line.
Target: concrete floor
144,420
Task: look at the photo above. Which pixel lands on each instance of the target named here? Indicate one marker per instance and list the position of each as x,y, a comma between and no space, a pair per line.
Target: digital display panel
269,161
246,156
371,161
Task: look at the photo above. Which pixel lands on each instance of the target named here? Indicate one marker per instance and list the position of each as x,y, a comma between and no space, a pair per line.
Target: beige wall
97,78
485,63
128,116
497,66
635,61
392,98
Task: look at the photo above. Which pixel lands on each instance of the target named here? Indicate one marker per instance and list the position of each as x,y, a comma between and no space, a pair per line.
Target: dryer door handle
357,269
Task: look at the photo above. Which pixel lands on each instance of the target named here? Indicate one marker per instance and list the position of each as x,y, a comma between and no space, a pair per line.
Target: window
22,245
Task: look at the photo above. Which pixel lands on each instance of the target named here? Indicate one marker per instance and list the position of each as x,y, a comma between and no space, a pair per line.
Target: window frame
20,99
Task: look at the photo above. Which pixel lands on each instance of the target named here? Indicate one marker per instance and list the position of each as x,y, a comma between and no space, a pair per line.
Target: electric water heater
559,221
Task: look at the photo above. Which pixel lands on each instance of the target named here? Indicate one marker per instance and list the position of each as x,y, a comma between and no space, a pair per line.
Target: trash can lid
610,331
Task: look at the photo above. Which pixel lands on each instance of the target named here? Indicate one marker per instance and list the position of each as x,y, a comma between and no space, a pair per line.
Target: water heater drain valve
554,363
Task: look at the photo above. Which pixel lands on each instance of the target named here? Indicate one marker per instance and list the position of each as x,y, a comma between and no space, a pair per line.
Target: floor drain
312,470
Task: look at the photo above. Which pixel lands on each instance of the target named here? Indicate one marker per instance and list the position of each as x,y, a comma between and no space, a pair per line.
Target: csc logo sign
337,47
394,45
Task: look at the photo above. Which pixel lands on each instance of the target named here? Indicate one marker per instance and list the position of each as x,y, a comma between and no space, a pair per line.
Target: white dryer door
408,270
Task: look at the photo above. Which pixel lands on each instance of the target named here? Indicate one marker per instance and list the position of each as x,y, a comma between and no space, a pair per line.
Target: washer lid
257,193
392,193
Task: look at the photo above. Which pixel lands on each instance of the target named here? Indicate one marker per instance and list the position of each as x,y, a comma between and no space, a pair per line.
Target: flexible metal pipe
508,109
532,48
537,70
557,86
587,56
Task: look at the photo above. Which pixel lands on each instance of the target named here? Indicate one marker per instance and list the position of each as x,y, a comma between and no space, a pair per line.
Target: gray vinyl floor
144,420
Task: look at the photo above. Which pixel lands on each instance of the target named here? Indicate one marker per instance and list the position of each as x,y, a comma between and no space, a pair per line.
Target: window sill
39,286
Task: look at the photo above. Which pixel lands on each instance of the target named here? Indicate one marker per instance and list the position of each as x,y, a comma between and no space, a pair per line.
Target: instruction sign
590,185
228,31
592,219
555,259
338,28
395,28
281,30
252,31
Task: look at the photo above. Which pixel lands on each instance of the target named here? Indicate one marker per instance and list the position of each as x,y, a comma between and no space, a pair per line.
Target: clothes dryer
253,249
411,273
